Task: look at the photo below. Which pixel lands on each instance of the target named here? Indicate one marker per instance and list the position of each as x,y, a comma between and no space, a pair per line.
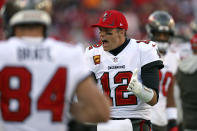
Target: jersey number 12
120,100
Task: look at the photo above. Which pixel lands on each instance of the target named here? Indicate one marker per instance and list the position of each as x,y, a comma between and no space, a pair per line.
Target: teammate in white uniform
113,61
39,76
160,28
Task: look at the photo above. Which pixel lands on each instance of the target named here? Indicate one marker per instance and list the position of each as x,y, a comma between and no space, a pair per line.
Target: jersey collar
116,51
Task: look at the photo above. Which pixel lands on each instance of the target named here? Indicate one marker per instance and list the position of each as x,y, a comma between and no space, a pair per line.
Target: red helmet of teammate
193,42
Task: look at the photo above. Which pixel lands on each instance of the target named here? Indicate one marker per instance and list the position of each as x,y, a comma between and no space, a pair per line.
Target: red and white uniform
184,49
114,73
37,82
170,60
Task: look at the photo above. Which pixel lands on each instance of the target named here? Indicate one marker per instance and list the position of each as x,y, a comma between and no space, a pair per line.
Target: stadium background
72,18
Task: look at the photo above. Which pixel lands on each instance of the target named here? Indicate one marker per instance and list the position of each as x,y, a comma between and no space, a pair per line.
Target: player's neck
28,32
116,51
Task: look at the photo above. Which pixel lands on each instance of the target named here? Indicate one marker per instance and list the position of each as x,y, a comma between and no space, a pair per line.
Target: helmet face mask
20,12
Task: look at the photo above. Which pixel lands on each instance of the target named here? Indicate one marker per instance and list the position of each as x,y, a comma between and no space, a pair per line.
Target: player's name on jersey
116,67
34,54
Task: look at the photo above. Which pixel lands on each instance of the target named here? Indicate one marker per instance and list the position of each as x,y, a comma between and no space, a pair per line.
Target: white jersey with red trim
37,82
166,75
114,73
183,49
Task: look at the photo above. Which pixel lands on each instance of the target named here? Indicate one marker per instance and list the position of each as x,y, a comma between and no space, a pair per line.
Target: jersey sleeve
149,55
172,61
82,66
89,59
79,69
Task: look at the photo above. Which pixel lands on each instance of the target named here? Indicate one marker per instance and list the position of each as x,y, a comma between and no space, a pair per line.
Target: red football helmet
193,42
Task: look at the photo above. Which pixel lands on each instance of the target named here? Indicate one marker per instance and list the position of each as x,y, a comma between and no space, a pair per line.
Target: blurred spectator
1,3
91,4
71,18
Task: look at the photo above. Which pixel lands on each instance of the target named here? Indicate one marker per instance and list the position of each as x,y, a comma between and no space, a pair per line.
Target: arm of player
92,105
171,108
141,91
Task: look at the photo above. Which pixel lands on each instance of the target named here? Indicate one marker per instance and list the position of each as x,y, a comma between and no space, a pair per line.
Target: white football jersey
158,112
114,73
183,49
37,82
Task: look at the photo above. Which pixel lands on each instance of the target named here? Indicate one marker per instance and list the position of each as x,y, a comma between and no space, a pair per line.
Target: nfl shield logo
115,59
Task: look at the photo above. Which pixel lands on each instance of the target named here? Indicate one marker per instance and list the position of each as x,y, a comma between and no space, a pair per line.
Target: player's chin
106,48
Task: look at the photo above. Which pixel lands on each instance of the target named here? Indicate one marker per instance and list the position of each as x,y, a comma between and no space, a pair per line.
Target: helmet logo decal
105,16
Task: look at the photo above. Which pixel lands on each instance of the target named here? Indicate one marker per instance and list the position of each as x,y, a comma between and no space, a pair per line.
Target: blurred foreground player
39,76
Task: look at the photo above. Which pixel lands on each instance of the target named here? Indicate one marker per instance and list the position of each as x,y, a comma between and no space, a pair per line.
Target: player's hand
134,85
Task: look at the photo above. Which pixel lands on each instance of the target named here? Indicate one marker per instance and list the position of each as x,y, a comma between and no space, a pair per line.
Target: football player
39,76
160,28
127,71
186,78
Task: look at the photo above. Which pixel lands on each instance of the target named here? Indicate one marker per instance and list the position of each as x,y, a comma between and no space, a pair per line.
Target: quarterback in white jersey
160,28
39,76
114,74
115,60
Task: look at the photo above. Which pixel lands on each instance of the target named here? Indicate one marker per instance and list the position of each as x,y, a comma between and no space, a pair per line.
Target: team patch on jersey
96,59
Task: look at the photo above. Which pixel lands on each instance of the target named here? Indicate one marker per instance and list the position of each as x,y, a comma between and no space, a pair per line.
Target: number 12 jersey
114,74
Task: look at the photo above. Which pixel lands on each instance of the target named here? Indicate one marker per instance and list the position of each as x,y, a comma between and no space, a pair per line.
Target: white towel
115,125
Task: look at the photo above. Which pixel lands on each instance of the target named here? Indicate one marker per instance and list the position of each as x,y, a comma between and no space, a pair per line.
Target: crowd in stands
72,18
